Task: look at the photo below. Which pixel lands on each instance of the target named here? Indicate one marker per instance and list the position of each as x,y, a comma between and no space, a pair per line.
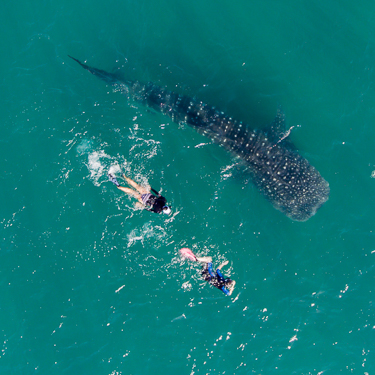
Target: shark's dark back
287,179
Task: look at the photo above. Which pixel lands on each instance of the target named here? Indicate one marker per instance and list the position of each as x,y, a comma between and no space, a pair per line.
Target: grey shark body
284,177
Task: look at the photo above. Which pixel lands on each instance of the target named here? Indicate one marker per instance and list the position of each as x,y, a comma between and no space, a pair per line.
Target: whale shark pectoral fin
277,132
277,128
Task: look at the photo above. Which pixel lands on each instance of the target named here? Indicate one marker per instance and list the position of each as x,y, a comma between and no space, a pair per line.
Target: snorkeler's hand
139,205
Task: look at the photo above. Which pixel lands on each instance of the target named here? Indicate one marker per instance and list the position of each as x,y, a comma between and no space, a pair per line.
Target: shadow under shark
283,176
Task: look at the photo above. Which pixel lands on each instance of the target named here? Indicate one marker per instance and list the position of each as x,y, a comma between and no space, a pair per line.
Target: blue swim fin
113,179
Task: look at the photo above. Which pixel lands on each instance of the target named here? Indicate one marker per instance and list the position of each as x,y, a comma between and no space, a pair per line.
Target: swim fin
113,179
187,253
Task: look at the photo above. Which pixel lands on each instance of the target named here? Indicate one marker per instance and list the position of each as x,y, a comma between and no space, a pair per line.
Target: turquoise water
92,286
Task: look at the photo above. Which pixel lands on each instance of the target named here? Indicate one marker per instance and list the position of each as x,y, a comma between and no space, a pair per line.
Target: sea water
91,285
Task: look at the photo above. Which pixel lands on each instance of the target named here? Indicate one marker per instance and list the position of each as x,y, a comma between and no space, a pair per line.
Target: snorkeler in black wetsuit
147,200
155,203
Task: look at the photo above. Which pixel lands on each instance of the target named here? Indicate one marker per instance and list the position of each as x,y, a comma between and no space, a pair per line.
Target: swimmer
226,285
147,200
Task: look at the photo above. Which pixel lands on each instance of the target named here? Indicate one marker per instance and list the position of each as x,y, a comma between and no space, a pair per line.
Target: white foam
98,162
84,147
148,233
97,165
114,168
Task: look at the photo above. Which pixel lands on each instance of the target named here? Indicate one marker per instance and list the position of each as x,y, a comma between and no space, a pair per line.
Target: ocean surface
89,284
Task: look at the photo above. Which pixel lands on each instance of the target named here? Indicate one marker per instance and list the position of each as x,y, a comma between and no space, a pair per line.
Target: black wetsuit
154,203
217,280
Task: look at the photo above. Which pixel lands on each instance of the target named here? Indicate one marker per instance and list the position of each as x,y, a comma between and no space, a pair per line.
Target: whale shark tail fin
102,74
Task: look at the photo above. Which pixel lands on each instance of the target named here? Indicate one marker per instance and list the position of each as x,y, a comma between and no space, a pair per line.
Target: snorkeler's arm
231,287
156,192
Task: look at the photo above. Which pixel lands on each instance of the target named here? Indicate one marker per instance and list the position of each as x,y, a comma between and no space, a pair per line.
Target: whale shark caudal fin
110,78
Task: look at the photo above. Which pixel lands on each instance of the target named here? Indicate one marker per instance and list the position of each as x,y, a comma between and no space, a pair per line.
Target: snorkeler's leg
130,192
222,265
204,259
136,186
209,269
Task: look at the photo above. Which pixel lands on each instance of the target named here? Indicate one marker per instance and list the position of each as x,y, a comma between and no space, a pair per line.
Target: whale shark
280,173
